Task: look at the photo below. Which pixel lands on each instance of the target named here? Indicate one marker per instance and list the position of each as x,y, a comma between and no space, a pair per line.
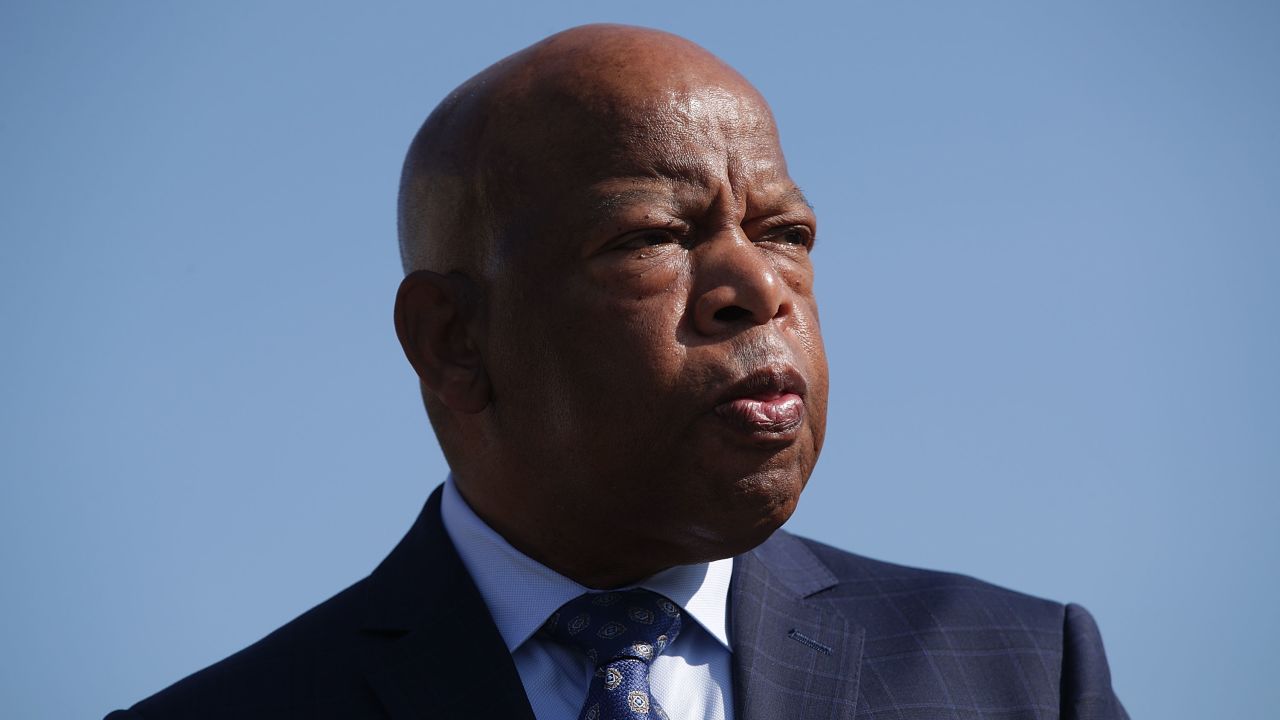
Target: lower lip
775,416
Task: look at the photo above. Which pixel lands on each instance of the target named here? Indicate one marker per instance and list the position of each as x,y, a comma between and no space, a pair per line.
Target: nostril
733,313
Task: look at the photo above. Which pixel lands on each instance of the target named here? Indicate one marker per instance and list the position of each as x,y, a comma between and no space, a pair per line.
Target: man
609,302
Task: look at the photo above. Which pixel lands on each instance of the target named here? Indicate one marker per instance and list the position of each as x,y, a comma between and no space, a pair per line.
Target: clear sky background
1048,267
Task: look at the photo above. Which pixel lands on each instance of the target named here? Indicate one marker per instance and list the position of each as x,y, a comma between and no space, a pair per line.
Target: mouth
766,405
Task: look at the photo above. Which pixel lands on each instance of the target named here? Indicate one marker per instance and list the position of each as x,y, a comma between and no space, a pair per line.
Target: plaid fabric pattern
930,645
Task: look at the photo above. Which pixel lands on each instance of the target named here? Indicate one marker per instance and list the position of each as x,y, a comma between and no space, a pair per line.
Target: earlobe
433,316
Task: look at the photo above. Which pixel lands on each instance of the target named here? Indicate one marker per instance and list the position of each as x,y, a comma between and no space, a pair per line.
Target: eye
790,235
647,238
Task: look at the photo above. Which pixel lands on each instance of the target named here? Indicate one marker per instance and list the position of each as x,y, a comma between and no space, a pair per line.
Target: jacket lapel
792,656
432,649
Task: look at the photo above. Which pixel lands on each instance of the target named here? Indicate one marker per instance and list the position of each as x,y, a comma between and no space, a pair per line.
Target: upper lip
774,379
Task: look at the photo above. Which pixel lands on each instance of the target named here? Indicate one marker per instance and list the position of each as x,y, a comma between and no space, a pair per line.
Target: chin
747,515
727,499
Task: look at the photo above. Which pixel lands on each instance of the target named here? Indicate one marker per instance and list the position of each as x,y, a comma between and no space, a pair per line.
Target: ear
433,321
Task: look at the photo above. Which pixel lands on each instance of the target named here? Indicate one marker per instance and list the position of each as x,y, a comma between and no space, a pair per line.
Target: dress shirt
690,679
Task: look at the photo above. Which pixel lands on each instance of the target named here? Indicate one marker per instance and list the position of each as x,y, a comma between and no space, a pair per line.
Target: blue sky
1048,272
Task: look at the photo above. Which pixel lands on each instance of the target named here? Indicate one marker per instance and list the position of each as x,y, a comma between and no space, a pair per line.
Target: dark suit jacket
816,633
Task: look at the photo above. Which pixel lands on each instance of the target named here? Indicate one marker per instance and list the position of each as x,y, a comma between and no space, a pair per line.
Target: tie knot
608,626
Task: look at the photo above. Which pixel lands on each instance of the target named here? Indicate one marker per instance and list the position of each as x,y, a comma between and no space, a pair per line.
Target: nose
736,286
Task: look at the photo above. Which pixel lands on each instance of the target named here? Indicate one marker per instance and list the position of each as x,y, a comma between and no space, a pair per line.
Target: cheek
638,304
607,334
809,333
806,327
639,274
797,274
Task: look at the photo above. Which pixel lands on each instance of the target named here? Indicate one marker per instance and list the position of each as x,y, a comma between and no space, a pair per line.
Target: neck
592,557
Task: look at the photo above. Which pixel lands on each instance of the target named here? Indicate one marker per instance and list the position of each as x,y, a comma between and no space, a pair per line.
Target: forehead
613,196
690,132
681,141
570,142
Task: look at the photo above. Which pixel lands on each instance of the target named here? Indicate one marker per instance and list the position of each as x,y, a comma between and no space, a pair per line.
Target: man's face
652,334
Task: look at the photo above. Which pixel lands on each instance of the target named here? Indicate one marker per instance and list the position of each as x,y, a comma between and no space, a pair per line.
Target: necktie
621,633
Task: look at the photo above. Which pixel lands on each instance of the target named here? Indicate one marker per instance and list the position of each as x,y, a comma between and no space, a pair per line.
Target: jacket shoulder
946,636
954,641
933,596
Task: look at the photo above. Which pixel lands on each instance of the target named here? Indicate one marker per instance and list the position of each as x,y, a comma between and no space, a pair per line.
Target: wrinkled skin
641,250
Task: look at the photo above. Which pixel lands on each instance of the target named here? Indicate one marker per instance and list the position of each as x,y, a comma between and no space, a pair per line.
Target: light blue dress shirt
690,679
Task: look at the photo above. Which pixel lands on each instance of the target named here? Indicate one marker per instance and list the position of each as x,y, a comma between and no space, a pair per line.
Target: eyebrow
602,207
607,204
795,194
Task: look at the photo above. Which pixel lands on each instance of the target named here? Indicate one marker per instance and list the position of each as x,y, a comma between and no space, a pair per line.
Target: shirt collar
521,593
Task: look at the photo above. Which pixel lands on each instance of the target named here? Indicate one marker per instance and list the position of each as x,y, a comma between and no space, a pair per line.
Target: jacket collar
793,656
433,651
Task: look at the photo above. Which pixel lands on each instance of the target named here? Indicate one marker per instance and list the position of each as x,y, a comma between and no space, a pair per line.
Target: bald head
608,299
534,119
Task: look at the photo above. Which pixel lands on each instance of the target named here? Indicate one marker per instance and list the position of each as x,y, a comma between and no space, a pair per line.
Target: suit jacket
816,633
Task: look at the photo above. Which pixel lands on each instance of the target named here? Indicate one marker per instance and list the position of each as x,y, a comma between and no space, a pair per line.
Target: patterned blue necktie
621,633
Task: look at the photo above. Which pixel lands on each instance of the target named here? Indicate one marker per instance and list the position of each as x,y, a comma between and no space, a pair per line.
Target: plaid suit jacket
816,633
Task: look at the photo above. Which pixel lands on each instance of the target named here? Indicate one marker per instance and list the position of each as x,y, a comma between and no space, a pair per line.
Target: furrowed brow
795,195
780,201
607,205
